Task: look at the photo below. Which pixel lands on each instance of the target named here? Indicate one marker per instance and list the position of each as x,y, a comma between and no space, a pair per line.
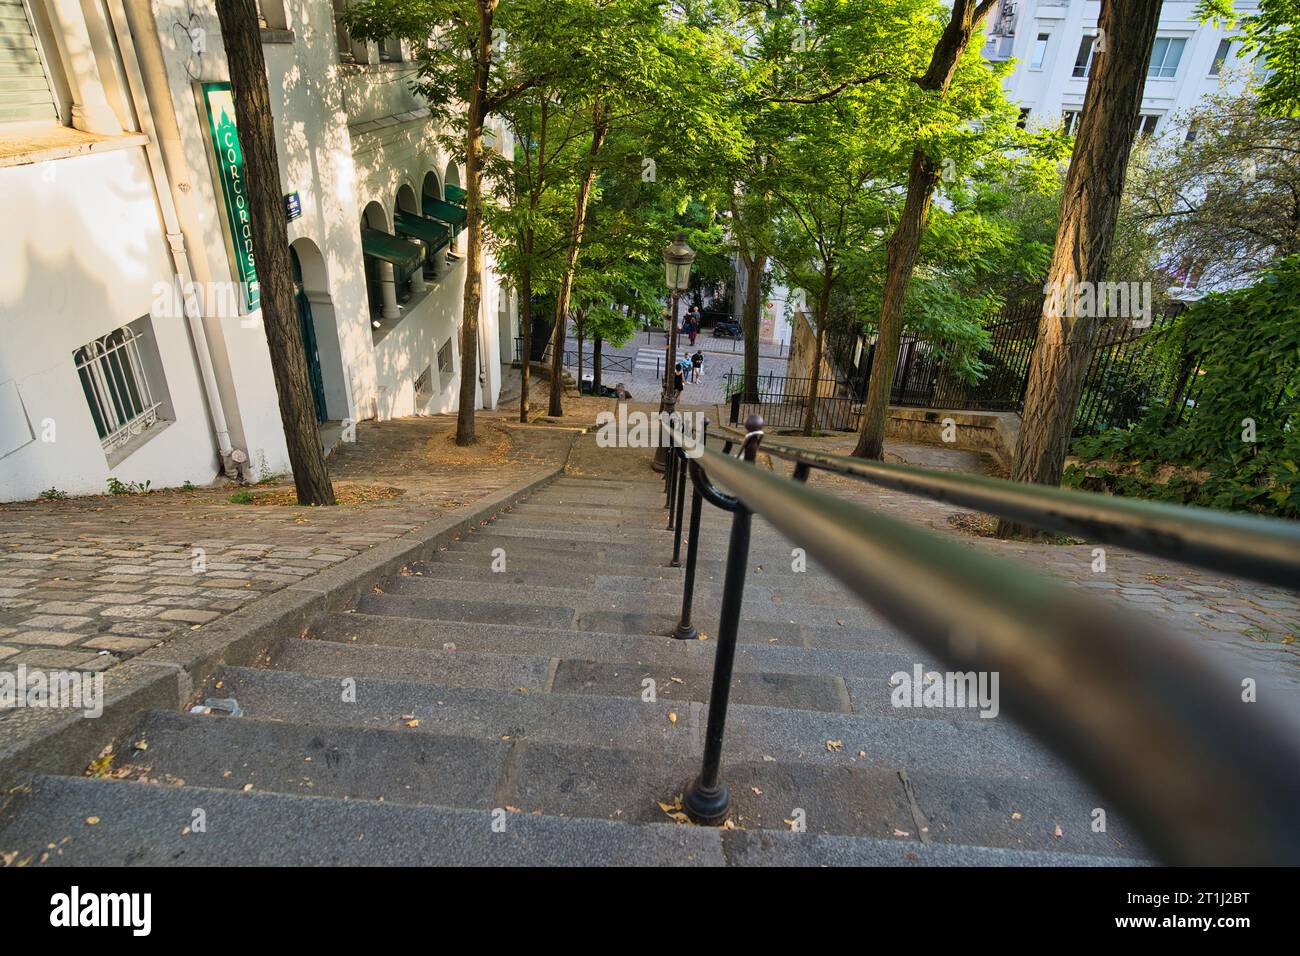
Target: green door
308,329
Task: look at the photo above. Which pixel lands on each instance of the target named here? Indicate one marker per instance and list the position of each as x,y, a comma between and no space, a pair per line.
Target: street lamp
678,257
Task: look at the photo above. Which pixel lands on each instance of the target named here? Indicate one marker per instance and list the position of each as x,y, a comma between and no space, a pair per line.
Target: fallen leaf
834,746
672,716
1016,815
92,821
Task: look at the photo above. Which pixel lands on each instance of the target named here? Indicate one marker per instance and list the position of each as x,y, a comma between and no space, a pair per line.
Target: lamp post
678,257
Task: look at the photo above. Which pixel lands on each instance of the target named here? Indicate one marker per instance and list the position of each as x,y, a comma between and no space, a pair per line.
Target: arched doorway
319,331
307,332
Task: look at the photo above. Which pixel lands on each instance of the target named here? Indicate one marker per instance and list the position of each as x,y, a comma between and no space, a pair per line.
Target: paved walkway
1258,621
87,582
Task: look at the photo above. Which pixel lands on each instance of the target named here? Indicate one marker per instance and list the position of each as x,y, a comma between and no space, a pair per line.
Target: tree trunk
815,369
1089,210
525,332
474,227
597,383
906,239
599,130
754,270
269,233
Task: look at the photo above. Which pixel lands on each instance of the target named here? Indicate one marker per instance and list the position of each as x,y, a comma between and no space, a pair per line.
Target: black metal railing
783,399
1145,715
608,363
1123,379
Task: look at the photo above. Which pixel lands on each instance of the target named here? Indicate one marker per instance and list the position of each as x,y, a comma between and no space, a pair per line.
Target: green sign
230,170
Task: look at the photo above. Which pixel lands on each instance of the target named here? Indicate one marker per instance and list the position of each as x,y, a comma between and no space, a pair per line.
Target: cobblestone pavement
1256,620
87,582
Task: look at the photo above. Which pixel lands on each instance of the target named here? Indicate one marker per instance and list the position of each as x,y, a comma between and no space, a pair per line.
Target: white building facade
1053,41
131,340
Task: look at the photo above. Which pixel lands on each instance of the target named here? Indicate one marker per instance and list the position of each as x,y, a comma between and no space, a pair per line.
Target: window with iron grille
424,386
122,380
445,359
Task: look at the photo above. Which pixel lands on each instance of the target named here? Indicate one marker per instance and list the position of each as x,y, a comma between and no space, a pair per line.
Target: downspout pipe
142,59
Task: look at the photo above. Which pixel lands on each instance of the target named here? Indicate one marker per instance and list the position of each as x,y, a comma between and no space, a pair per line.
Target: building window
121,377
1024,118
1191,132
271,15
445,359
1165,56
1221,56
390,50
1071,118
1040,51
1083,61
25,94
1147,123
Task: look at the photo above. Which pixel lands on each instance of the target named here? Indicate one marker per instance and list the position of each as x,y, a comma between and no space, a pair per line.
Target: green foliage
53,494
1271,37
1247,344
119,487
241,498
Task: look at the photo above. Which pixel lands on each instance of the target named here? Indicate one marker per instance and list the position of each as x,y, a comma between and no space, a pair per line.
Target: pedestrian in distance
697,366
679,381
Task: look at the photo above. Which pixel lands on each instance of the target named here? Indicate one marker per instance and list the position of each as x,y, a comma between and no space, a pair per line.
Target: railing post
681,504
706,800
685,630
670,472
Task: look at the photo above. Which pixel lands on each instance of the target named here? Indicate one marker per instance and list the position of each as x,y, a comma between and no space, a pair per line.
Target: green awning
444,211
405,255
418,227
454,194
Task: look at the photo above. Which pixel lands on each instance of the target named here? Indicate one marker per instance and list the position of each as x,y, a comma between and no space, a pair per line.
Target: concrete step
964,748
143,825
613,613
674,682
381,628
469,555
810,586
751,848
765,595
562,780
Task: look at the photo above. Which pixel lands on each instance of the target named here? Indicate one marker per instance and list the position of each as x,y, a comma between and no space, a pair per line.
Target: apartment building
1053,42
131,340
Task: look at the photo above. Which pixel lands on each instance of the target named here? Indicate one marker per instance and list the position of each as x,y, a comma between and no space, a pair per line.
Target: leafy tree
1227,203
943,111
1271,37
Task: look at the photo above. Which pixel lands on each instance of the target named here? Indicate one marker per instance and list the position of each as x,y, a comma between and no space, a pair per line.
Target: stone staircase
458,715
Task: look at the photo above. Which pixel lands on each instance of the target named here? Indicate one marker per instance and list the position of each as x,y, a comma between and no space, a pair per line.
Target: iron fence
782,400
608,363
1125,375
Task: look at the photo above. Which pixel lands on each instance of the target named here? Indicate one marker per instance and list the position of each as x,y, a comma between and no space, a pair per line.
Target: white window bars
112,375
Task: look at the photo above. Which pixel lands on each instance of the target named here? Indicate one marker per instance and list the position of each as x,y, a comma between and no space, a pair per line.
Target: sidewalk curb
43,741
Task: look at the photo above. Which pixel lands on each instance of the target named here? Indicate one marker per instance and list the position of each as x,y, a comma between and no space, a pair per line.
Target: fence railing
1145,715
783,399
619,364
1119,385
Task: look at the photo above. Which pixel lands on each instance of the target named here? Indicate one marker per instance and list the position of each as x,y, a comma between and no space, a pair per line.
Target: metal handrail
1262,549
1144,715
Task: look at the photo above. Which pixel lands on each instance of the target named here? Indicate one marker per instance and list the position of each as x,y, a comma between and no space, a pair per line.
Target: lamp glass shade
678,257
